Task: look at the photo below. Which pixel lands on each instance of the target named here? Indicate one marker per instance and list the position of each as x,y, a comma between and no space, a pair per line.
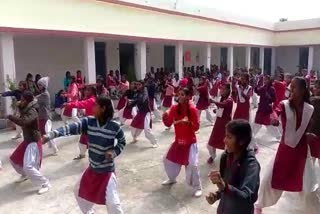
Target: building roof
181,6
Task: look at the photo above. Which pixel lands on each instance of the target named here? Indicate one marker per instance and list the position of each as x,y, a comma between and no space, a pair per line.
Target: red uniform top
73,92
86,104
111,82
203,102
280,88
215,87
184,132
224,113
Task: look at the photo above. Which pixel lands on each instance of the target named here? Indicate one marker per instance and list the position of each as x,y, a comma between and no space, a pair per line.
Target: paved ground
139,171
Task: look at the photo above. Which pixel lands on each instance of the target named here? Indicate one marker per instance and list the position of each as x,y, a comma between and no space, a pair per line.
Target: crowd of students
88,110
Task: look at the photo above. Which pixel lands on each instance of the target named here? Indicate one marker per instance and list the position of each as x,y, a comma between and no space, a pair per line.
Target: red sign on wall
187,56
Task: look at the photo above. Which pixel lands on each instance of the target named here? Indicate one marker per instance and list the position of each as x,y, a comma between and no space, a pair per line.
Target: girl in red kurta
122,88
129,111
244,92
87,105
280,87
223,113
203,101
267,95
184,150
73,91
292,165
215,87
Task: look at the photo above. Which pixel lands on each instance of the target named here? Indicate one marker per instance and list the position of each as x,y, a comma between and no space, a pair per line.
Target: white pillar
310,58
248,57
89,60
273,61
112,56
179,59
230,60
141,60
261,59
7,68
207,62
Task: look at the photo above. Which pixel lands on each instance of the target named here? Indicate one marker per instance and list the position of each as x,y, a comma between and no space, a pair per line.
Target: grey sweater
242,179
44,105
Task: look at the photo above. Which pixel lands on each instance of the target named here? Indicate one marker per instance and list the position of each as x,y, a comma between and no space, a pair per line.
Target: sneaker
79,157
168,182
44,188
210,160
155,145
197,194
21,179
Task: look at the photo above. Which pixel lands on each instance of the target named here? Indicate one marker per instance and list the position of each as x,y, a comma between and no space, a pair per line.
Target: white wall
155,56
48,56
197,55
288,58
239,57
215,55
112,55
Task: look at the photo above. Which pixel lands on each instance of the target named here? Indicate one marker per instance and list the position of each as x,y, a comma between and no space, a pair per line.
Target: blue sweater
101,139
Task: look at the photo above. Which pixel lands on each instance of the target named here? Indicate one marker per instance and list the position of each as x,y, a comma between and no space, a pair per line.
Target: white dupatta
246,90
293,135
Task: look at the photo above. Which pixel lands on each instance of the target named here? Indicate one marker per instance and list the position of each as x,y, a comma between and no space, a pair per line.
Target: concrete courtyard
139,172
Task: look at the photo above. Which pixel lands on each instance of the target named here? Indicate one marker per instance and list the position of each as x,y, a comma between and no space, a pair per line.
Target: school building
50,37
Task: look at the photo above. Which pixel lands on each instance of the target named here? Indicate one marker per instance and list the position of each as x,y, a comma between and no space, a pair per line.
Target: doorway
224,58
126,56
303,57
169,57
267,61
100,54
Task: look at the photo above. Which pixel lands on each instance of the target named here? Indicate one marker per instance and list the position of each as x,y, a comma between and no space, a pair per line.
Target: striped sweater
101,139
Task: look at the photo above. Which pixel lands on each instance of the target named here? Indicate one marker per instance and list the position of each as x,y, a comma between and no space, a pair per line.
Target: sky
268,10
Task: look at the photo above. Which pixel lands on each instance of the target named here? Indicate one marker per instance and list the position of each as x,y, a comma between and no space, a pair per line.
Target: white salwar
156,112
74,117
269,196
192,172
212,151
120,114
209,116
31,166
147,130
52,143
112,198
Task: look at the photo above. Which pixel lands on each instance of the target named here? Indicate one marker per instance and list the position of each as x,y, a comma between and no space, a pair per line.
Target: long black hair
105,102
186,92
302,84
